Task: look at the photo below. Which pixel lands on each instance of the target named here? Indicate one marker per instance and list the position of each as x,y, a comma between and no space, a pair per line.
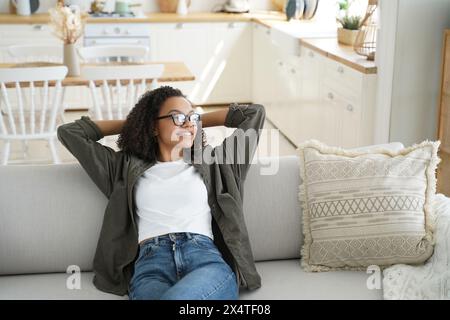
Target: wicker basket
170,6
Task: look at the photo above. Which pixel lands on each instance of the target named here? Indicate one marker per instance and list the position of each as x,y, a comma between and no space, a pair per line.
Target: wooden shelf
443,176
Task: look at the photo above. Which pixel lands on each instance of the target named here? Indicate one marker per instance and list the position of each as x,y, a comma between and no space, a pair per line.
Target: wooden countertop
154,17
173,71
326,46
344,54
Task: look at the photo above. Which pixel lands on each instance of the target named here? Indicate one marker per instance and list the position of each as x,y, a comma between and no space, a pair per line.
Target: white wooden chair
108,53
116,89
38,53
34,116
32,53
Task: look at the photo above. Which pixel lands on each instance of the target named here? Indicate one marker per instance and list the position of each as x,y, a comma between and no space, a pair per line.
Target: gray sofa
50,218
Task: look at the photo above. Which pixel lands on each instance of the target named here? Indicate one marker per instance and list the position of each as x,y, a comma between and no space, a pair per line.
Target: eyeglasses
179,118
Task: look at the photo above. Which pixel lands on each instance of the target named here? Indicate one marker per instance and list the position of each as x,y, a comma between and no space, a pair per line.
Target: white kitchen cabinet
262,66
230,77
312,65
350,125
291,112
286,87
24,34
354,100
267,82
218,54
187,42
331,105
345,102
316,119
310,96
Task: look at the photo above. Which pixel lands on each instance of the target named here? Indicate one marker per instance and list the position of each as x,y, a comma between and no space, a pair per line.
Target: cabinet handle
179,26
340,69
330,95
38,27
293,70
350,108
231,25
311,54
268,31
280,63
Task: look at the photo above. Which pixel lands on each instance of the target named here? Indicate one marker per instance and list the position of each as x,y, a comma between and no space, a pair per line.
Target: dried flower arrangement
67,22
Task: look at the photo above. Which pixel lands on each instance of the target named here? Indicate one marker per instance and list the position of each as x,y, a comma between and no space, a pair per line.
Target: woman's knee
226,289
148,290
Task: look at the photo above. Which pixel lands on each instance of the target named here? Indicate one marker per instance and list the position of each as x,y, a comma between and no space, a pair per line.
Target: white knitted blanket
431,280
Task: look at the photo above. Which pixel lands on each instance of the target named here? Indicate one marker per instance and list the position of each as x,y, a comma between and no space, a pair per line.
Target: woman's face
168,133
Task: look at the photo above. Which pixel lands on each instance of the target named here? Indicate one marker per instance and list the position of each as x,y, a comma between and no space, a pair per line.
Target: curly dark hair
137,136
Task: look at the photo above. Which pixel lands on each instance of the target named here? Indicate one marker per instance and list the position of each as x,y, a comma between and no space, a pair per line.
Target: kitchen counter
155,17
309,34
173,71
344,54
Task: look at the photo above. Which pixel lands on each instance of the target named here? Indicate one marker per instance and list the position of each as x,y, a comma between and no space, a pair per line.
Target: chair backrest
115,89
42,53
30,99
110,53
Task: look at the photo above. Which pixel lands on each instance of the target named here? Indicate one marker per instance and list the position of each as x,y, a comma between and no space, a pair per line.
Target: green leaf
350,22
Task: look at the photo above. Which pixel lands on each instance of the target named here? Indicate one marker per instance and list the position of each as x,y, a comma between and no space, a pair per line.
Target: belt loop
156,240
189,235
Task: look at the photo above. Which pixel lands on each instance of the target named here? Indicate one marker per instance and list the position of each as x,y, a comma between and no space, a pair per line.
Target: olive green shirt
116,172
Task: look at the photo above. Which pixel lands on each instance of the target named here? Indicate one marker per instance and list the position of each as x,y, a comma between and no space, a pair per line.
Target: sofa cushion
50,218
285,279
369,207
271,208
281,280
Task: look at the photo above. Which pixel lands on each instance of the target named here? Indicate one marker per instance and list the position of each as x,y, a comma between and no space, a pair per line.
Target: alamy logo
73,282
237,148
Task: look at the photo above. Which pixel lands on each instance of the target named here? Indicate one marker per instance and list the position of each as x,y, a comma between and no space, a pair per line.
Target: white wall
417,69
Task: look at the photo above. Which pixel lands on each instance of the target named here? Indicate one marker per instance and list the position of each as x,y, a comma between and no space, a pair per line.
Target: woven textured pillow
363,208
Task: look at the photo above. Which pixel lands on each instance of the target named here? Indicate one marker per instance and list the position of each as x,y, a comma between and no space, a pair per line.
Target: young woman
173,227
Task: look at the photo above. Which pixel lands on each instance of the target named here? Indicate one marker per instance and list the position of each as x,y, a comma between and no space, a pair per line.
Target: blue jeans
182,266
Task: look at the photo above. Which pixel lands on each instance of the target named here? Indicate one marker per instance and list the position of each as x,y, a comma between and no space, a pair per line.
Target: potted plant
350,24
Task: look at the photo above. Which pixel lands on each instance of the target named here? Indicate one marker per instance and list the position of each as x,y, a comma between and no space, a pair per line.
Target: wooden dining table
173,71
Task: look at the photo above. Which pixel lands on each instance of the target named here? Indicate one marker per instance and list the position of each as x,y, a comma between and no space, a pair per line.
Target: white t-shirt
172,197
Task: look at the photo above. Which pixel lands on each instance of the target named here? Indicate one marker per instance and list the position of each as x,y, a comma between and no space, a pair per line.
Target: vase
71,60
182,7
346,36
170,6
